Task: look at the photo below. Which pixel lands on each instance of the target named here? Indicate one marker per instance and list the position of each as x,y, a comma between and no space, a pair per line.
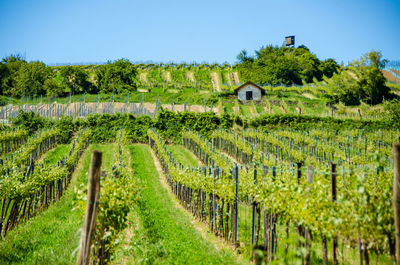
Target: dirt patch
253,110
167,76
352,75
228,78
215,81
308,95
179,107
390,77
149,106
143,77
219,110
235,76
190,76
197,108
166,106
397,72
119,107
396,92
236,110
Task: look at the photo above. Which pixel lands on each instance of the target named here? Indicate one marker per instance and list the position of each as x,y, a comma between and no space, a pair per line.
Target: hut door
249,95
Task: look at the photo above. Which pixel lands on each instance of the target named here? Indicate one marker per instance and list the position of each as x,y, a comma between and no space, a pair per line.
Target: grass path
184,156
52,236
164,234
56,154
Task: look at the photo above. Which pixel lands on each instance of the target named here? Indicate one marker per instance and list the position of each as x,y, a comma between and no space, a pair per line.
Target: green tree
328,67
53,88
279,65
30,79
9,80
4,73
393,110
117,77
361,80
75,79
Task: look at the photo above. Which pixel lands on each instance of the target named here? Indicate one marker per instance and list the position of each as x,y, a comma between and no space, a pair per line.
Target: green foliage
52,88
136,128
9,71
362,80
226,121
104,126
119,194
66,127
282,65
20,78
30,79
304,122
393,110
116,77
171,124
328,67
29,121
74,79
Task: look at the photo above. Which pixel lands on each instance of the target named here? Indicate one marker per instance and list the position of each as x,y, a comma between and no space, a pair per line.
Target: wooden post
334,239
396,197
91,208
308,235
236,203
253,227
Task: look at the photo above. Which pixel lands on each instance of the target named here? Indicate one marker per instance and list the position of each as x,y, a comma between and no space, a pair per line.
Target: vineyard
264,195
199,133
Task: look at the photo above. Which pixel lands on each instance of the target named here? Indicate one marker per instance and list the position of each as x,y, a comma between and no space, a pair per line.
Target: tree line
19,78
361,80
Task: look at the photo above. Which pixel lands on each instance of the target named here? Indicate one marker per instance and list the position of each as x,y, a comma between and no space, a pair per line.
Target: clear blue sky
213,31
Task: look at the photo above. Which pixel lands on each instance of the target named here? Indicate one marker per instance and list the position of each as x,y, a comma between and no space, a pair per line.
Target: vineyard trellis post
396,197
308,235
236,172
334,239
91,208
253,227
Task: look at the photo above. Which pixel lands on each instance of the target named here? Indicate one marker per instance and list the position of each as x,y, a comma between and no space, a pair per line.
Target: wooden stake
308,234
91,208
236,203
396,197
253,227
334,239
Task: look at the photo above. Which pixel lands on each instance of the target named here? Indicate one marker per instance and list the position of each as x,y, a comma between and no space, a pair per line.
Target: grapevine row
26,194
12,140
356,212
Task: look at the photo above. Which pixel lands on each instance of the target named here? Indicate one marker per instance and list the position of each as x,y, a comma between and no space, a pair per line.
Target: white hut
249,91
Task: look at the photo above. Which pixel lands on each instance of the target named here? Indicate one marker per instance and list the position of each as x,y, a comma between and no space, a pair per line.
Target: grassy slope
184,156
52,236
53,156
163,233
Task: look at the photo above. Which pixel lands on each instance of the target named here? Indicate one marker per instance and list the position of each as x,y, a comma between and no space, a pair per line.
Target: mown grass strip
165,234
53,156
184,156
52,236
